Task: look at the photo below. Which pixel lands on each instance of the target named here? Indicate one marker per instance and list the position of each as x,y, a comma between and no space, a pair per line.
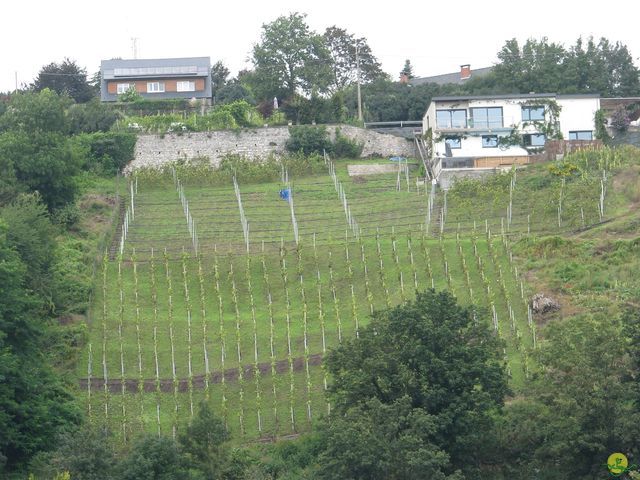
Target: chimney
465,72
404,78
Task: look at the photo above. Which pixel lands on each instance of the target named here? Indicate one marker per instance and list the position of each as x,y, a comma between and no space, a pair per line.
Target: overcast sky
437,36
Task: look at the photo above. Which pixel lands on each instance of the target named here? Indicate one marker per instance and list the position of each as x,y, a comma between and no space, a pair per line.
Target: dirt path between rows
132,385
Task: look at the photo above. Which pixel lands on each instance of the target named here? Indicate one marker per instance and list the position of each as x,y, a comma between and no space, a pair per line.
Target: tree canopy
585,67
65,78
414,395
290,58
343,49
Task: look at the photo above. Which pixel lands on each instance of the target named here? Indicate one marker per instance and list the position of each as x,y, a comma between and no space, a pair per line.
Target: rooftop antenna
134,47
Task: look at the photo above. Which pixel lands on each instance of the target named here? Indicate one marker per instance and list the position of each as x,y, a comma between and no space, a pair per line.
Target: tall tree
536,67
407,70
219,75
204,443
580,408
65,78
342,49
34,404
290,58
543,66
35,151
414,395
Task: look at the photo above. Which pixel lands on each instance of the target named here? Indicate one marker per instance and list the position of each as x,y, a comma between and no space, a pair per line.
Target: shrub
108,152
67,216
93,116
345,147
308,139
620,119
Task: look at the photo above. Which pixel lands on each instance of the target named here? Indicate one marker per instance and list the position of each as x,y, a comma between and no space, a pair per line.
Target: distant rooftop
149,67
465,73
512,95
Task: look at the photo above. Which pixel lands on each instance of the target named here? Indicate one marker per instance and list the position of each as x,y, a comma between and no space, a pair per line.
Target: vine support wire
243,217
406,174
294,222
603,192
343,197
191,225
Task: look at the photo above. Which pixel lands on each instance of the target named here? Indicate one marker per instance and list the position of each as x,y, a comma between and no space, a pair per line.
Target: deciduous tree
290,58
65,78
414,396
342,49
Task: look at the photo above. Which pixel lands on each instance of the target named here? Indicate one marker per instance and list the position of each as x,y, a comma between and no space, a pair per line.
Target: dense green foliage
107,152
46,263
544,66
308,140
90,117
65,78
224,116
414,395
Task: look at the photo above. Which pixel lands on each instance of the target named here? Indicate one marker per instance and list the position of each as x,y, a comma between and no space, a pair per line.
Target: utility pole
16,91
358,80
134,46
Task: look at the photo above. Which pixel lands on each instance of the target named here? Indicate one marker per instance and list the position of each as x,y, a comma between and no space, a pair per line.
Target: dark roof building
460,77
161,78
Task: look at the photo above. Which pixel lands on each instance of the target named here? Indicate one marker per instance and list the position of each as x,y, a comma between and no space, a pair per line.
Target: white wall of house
471,146
577,114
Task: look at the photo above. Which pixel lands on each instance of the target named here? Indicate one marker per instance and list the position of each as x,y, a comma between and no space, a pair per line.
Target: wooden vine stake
136,296
221,338
321,314
272,352
234,297
154,302
285,284
256,369
174,374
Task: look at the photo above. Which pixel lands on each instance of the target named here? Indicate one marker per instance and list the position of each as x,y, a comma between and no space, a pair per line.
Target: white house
494,130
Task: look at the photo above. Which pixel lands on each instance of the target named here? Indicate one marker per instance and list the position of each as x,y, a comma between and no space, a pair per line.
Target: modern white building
493,130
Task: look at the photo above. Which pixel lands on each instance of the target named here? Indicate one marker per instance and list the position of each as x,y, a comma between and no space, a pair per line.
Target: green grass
328,294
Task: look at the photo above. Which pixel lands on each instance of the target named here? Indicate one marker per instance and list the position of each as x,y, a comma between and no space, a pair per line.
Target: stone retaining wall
156,150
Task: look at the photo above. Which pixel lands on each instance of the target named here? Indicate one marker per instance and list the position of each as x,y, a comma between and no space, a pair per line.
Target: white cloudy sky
437,36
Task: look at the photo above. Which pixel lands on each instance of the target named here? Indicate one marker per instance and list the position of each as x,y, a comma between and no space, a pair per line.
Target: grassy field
172,325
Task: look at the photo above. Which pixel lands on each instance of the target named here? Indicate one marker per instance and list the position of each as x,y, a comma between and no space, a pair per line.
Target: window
534,140
453,142
489,141
155,87
186,86
581,135
451,118
178,70
532,114
124,87
489,117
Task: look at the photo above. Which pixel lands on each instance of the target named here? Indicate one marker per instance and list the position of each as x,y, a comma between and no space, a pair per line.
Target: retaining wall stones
156,150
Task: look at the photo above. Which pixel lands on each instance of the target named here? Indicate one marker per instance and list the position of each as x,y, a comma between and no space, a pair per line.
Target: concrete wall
155,151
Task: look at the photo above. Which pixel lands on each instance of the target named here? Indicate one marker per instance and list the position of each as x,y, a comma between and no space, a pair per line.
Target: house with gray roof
155,79
457,78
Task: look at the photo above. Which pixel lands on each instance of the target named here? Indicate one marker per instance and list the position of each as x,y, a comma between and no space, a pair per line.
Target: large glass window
453,142
451,118
534,140
486,117
532,113
489,141
155,87
185,86
581,135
